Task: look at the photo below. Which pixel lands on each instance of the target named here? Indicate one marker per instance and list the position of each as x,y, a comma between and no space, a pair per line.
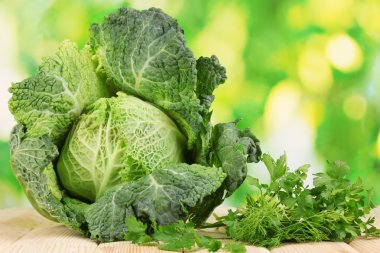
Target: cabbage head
122,127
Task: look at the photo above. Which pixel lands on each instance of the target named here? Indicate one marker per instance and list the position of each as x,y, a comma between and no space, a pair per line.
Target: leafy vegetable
287,210
122,128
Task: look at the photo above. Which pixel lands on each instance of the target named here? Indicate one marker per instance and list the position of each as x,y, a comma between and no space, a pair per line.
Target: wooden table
25,231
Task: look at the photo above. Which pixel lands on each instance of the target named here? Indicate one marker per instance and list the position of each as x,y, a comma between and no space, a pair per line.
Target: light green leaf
118,139
253,181
51,101
276,168
136,230
176,236
235,247
338,169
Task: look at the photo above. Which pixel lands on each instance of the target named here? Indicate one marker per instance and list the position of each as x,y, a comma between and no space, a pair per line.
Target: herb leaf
179,235
235,247
136,231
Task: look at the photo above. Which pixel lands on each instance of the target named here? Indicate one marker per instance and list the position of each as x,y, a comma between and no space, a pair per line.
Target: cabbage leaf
144,54
51,101
164,196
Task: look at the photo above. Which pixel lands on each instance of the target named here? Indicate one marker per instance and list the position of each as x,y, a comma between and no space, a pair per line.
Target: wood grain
25,231
366,246
16,223
53,238
315,247
127,247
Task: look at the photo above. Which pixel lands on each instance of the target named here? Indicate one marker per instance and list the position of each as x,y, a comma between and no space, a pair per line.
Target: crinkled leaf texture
231,149
116,140
144,53
31,160
51,101
165,196
210,74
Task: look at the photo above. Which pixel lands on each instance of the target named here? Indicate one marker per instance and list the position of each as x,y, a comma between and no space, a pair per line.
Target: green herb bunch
288,210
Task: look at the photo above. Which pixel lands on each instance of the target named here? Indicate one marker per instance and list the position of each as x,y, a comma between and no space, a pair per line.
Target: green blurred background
304,75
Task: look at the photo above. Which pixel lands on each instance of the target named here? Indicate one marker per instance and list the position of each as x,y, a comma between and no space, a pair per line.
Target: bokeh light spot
368,17
312,110
282,103
314,71
225,36
355,106
332,15
8,70
378,145
344,53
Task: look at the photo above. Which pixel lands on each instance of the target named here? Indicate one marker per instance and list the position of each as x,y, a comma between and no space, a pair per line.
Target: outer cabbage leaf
117,139
165,196
50,102
210,74
31,160
144,54
231,149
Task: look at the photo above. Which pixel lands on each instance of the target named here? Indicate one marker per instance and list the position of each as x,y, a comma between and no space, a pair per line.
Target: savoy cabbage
122,127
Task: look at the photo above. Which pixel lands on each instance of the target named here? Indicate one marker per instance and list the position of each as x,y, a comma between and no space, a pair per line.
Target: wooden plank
315,247
53,238
16,223
216,233
252,249
127,247
14,213
24,231
366,246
